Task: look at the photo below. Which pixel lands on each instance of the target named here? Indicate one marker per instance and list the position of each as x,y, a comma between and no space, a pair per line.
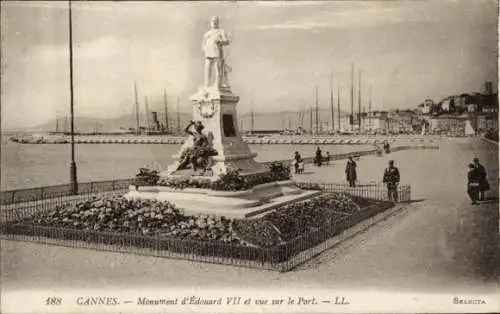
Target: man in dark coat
391,179
319,157
297,160
350,171
483,181
473,183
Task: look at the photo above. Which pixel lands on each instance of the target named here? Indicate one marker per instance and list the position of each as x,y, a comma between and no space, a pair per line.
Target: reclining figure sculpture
199,153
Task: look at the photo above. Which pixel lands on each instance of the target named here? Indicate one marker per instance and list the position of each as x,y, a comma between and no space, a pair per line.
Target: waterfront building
426,106
447,124
376,121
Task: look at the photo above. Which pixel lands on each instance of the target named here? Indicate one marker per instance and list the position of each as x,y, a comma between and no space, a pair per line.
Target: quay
286,140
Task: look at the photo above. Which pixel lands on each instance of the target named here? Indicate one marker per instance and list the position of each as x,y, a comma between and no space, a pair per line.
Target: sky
407,51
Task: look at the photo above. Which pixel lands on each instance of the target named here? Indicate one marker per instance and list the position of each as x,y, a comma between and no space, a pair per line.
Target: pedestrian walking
391,179
484,185
473,183
318,158
327,158
350,171
387,147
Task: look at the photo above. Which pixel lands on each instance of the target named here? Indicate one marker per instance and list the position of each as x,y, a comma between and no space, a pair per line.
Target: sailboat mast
137,114
351,120
311,117
370,108
331,101
57,125
251,116
359,99
178,116
338,107
317,113
147,112
251,121
166,110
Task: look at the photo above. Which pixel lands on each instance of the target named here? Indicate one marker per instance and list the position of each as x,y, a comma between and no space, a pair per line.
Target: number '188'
53,301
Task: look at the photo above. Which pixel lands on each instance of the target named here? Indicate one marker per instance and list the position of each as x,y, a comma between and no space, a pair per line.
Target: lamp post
72,167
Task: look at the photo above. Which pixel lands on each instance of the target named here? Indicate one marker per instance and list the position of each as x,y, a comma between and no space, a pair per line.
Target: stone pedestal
216,109
238,204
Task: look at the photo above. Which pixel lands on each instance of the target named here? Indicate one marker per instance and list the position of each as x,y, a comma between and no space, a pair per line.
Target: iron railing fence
376,191
64,190
282,257
18,211
37,202
310,160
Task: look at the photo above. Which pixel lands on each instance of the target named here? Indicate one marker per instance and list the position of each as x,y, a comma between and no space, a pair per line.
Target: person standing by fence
318,158
473,183
484,185
297,162
391,179
350,171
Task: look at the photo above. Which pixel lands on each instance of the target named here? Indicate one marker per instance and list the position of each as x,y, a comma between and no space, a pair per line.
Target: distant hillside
87,124
278,120
262,121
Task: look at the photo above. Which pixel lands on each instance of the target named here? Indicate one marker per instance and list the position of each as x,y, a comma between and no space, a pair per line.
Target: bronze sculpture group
198,154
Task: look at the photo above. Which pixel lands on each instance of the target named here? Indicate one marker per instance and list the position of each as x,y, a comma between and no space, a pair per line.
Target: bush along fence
373,191
319,221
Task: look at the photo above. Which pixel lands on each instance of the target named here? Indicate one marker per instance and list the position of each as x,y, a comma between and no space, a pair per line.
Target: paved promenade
440,243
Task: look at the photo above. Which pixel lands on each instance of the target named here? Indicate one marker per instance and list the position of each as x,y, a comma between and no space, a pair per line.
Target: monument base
238,204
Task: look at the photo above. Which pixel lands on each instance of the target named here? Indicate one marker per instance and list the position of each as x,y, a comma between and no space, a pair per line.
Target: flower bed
146,217
160,229
295,219
117,215
231,181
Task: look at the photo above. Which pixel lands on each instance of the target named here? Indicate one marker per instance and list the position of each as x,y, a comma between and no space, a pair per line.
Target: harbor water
32,165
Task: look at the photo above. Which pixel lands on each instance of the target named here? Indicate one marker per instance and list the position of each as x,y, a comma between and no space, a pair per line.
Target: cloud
104,73
355,15
279,4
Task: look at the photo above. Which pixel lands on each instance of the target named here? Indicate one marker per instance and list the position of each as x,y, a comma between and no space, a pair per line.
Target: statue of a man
213,41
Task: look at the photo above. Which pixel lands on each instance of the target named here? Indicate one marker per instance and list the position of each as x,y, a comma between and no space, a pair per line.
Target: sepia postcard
249,157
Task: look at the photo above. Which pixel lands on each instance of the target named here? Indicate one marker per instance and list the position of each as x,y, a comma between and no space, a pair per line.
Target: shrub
146,176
